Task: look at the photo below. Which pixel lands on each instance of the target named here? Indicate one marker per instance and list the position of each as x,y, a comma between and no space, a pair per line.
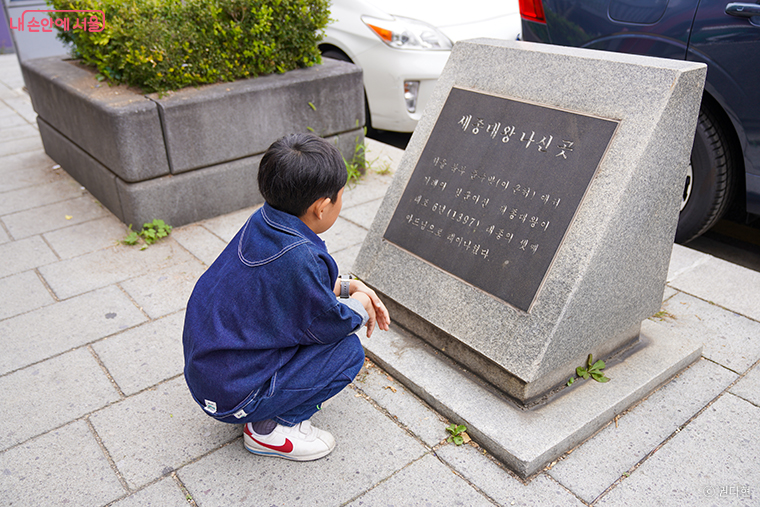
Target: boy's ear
318,207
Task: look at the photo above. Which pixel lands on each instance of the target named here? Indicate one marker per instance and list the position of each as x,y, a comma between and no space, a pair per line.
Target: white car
402,47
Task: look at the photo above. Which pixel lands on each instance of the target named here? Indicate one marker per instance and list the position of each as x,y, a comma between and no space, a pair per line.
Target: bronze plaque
496,189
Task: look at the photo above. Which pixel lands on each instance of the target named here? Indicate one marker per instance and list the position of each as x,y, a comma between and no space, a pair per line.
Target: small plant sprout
150,233
457,433
592,369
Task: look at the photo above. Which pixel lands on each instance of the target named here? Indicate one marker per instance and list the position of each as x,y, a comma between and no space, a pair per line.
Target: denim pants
315,374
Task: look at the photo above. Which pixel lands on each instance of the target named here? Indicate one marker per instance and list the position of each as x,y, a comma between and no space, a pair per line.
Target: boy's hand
382,317
369,307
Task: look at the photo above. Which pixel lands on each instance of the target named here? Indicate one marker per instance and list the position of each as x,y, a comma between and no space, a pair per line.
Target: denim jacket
268,292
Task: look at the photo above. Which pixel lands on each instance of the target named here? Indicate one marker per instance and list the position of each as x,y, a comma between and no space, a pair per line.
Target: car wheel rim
687,187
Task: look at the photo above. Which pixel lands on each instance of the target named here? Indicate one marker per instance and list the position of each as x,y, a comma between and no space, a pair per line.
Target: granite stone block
53,329
424,482
86,170
151,434
166,291
52,393
547,431
716,450
370,448
603,459
609,271
49,470
22,293
118,127
203,125
101,268
502,486
145,355
192,196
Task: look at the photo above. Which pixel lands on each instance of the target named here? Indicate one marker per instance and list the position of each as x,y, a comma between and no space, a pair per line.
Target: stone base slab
526,440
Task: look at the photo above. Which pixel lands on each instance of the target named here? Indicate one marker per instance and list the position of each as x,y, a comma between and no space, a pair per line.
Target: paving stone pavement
96,411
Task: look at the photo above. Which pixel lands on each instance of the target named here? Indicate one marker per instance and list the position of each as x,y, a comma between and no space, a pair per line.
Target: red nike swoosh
286,447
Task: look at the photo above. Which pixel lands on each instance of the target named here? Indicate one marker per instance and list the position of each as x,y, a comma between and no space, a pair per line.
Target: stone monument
531,220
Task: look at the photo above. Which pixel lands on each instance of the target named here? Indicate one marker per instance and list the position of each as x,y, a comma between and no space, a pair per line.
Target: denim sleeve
335,323
356,306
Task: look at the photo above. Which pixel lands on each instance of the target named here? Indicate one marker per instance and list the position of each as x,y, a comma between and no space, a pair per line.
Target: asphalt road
732,241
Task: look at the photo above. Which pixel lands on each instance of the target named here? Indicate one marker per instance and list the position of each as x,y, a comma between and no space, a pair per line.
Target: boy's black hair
298,169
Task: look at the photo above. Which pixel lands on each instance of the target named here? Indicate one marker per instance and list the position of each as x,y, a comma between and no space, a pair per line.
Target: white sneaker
302,442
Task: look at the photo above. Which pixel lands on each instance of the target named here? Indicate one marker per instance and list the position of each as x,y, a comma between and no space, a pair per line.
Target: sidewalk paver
616,449
51,330
682,473
52,393
158,430
502,486
22,293
64,465
144,356
424,482
370,448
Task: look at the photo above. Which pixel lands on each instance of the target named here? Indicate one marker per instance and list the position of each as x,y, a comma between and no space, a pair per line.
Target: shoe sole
254,449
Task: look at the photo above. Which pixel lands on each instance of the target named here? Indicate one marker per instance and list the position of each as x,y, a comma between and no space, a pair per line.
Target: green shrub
160,45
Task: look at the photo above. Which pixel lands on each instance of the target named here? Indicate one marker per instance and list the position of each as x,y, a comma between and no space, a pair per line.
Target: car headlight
407,33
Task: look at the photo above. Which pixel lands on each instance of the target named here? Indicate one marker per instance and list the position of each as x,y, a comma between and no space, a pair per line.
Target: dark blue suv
725,159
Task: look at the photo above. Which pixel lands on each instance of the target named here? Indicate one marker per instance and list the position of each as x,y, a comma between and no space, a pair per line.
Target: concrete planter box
188,155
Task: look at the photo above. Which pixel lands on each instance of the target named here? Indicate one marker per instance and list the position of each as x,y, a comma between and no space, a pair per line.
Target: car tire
709,184
336,54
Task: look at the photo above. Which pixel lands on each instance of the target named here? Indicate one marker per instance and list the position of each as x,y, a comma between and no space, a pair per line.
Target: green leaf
458,440
570,382
599,377
312,106
599,365
590,360
581,372
131,238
